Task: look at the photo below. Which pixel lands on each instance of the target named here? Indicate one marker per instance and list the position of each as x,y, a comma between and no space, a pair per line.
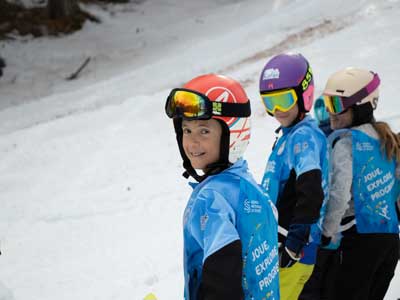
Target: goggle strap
224,109
364,92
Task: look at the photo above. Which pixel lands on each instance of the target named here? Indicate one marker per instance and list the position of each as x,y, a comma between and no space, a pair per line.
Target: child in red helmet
230,242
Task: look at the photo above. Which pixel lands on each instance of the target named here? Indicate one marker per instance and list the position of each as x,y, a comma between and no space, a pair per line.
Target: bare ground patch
18,20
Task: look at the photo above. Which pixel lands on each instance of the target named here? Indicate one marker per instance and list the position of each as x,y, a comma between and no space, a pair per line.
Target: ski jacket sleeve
222,262
309,196
304,151
340,186
305,160
218,222
222,274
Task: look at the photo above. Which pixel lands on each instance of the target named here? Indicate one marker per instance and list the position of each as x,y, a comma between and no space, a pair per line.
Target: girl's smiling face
201,142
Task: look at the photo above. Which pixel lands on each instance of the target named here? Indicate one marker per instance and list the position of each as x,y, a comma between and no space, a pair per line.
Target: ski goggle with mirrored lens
191,105
283,100
336,104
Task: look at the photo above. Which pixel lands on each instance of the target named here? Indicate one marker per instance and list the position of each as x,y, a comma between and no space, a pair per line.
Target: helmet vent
340,91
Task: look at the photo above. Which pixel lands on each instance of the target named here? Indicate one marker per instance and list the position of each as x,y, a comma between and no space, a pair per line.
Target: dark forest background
46,17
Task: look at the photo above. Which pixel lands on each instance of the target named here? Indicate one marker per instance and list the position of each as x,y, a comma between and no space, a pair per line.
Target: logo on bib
252,206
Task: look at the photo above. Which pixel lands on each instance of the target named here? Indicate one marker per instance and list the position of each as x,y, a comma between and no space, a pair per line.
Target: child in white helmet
363,187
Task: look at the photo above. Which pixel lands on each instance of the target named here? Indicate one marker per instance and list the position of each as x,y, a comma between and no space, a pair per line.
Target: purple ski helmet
285,71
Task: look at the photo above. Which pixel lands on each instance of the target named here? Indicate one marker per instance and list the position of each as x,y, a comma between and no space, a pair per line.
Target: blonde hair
390,141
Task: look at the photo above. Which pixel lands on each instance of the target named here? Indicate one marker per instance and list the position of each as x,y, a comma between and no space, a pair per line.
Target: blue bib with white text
375,187
224,208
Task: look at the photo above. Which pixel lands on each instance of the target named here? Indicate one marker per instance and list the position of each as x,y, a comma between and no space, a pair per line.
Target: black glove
285,260
297,237
325,240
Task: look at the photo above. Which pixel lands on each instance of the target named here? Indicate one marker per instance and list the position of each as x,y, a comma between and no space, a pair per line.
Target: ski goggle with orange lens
283,100
191,105
338,104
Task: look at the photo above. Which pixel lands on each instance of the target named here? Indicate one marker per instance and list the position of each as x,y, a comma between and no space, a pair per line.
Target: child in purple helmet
296,173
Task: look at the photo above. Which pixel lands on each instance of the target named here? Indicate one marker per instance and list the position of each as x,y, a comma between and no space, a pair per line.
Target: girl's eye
186,131
205,131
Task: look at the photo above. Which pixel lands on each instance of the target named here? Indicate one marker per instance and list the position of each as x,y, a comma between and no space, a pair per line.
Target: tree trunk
62,8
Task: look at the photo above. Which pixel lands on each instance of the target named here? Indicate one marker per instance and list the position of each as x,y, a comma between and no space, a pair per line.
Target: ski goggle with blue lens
191,105
283,100
336,104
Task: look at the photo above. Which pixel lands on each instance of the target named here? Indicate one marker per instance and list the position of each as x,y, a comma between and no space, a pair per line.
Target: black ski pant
367,265
321,284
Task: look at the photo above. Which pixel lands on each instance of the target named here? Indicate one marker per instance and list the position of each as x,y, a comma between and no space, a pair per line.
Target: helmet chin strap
190,171
212,169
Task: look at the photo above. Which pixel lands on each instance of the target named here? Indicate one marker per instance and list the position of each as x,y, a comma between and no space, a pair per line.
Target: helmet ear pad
308,98
179,139
305,99
224,145
362,114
